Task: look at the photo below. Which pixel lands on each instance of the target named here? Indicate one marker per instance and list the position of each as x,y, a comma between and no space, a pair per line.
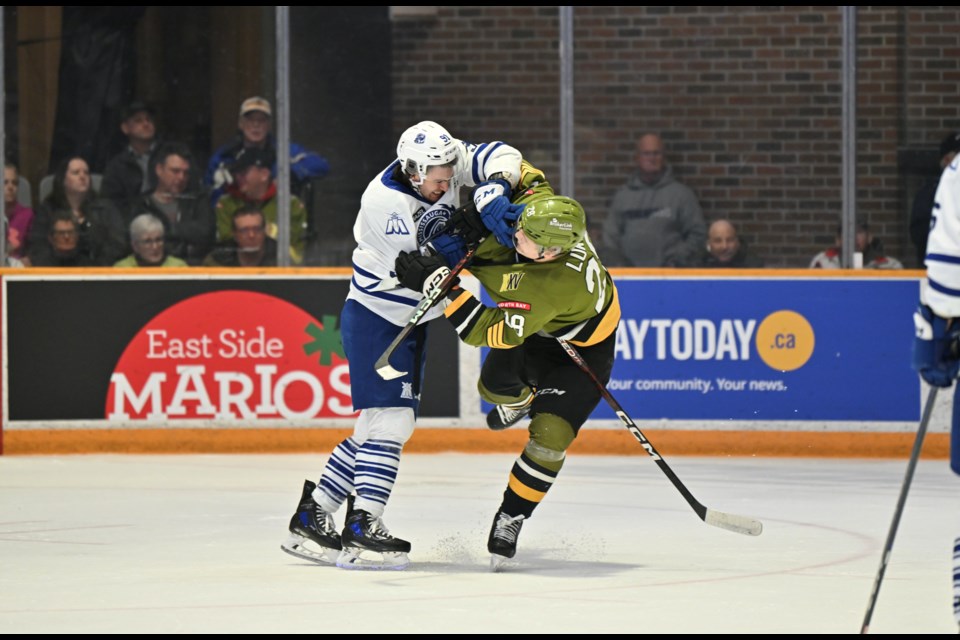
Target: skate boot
367,544
313,535
502,543
956,580
503,416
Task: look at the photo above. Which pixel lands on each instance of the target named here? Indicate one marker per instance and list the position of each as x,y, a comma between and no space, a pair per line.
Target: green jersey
571,297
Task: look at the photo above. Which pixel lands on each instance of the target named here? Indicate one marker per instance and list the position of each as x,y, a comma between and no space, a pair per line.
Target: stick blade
731,522
387,372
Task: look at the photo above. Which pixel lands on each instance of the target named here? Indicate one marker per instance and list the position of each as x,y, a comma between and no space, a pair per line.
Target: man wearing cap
254,184
126,176
923,201
254,131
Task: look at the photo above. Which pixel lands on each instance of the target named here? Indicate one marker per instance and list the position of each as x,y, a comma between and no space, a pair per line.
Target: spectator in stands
255,132
653,220
127,175
922,208
102,238
725,249
188,220
62,243
255,185
147,241
19,217
865,243
250,246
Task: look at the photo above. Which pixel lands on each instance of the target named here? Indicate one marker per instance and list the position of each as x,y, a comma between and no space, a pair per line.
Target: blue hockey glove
498,214
419,272
486,192
935,355
450,247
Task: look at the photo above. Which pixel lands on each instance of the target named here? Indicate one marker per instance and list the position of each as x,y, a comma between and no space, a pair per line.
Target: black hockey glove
465,223
421,273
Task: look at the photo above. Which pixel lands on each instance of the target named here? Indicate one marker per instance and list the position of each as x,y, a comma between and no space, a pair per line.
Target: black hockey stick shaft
911,466
731,522
383,366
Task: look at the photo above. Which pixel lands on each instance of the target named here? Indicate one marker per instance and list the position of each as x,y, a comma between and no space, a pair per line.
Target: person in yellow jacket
255,185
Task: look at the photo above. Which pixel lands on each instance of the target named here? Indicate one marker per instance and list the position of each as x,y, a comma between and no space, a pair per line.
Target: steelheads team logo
229,356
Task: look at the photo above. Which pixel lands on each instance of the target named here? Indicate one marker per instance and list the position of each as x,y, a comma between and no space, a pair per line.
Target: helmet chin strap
415,184
542,254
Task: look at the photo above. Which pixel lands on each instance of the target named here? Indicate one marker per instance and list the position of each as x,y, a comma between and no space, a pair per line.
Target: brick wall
748,100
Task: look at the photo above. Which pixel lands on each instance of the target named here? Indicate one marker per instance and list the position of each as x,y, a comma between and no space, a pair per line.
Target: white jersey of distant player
394,218
942,290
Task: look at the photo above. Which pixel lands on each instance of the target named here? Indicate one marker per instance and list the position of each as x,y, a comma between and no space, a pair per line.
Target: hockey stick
888,547
728,521
386,371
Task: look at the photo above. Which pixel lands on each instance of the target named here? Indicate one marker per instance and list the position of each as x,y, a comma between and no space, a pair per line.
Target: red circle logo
232,356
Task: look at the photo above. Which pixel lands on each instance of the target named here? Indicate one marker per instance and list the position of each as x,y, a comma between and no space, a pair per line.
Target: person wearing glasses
250,245
255,184
62,244
653,220
147,240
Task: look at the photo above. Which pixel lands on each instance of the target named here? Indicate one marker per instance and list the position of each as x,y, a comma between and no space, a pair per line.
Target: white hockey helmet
426,145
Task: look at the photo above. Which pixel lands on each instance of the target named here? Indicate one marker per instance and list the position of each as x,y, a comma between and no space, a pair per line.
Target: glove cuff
487,192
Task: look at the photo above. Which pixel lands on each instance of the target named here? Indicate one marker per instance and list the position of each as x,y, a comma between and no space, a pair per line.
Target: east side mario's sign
232,355
101,351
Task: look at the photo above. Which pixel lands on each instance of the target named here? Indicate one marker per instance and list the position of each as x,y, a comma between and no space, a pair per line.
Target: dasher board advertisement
760,350
188,350
817,349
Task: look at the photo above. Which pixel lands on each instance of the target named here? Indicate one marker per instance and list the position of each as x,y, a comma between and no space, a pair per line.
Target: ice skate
313,535
367,544
502,543
956,608
504,416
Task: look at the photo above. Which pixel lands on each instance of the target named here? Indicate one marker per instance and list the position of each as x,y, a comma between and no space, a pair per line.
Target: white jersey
942,290
394,218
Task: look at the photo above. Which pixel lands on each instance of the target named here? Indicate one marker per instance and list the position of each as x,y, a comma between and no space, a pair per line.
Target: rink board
766,350
116,352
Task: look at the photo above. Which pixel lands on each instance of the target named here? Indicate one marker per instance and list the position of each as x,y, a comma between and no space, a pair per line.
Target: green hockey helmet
556,221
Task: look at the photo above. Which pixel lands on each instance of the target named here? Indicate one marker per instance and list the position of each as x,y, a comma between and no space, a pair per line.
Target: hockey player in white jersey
937,319
402,209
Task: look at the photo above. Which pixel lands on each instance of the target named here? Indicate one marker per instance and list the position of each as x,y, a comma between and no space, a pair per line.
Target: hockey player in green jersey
550,284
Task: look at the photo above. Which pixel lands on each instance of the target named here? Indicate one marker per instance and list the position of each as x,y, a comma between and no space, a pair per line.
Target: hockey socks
528,484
